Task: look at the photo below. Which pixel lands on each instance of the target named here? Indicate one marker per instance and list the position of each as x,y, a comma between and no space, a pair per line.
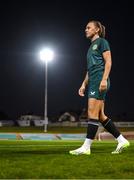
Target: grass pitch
23,159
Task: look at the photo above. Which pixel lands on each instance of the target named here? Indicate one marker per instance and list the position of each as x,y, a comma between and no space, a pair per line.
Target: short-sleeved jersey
95,60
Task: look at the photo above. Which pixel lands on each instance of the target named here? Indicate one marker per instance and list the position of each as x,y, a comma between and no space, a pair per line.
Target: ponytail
102,32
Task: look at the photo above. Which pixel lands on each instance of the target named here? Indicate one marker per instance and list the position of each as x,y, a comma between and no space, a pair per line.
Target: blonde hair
100,26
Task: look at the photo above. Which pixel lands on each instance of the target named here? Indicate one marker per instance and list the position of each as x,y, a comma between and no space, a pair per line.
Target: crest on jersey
94,46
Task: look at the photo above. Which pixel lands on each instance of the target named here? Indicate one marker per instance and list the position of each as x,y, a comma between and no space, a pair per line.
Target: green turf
22,159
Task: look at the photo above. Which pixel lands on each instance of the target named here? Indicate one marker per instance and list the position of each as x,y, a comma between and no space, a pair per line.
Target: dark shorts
93,90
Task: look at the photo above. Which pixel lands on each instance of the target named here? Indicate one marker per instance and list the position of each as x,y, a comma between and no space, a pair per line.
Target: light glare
46,55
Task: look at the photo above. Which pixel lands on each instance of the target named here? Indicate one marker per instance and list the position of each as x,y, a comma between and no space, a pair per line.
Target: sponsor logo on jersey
92,93
94,46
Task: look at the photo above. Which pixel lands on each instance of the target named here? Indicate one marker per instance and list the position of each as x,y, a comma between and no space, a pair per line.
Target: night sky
28,26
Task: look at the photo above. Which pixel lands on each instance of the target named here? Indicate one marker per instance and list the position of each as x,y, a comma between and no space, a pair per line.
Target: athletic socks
110,127
92,128
121,139
87,143
91,132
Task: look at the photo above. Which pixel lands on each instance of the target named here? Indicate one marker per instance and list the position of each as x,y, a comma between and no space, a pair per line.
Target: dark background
27,26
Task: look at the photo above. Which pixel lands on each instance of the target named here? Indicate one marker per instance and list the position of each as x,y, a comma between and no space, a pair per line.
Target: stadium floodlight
46,55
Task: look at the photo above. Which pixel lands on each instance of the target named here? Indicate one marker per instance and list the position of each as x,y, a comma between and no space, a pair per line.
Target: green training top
95,60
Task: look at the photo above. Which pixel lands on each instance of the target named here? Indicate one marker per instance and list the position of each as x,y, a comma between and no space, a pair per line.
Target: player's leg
111,128
93,123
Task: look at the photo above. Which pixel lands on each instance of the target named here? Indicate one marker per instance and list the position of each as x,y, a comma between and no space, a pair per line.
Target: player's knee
102,117
92,113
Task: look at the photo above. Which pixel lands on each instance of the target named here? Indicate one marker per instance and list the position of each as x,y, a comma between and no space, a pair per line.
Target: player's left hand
103,85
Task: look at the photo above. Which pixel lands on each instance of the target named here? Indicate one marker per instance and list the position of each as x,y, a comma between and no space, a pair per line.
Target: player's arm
108,63
83,86
85,82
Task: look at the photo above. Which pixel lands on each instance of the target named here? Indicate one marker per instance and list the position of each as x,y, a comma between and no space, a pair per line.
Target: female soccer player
97,79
